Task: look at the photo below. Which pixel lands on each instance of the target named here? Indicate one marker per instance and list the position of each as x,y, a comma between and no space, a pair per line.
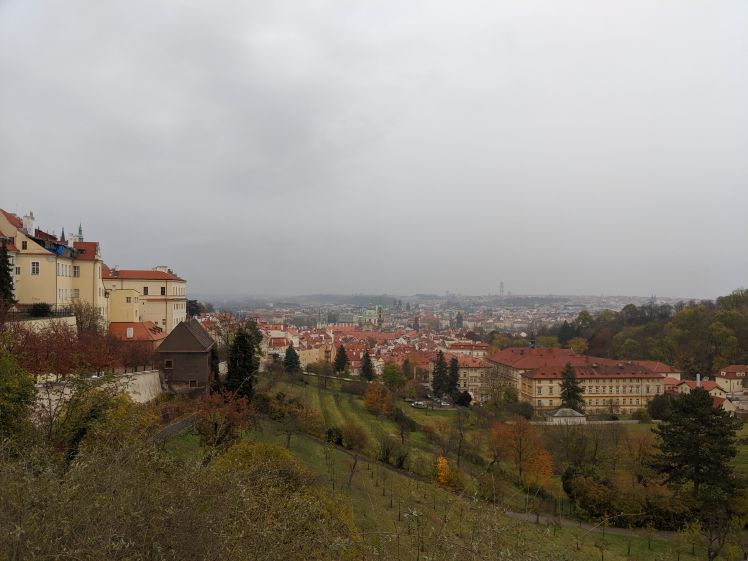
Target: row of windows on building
608,389
593,402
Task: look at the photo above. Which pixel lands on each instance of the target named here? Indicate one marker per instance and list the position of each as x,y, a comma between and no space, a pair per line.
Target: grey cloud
329,146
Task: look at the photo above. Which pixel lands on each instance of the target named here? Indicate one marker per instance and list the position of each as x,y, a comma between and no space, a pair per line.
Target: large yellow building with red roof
607,384
52,270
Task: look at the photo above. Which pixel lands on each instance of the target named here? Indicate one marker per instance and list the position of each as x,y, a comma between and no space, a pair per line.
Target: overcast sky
578,147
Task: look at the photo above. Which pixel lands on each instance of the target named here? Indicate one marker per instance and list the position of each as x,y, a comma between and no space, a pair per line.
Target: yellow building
603,388
125,306
51,270
162,295
606,384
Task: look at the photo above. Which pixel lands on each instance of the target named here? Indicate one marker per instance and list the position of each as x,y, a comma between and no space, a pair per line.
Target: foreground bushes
123,498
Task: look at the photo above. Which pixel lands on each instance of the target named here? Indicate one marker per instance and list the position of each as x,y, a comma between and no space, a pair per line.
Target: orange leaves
378,399
519,442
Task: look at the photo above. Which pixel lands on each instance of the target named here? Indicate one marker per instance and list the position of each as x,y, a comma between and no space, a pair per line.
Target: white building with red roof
733,378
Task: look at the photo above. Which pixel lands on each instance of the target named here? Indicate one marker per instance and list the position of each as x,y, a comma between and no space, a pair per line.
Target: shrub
40,310
641,415
334,435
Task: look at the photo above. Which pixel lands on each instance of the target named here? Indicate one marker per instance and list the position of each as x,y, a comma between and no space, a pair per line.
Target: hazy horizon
328,147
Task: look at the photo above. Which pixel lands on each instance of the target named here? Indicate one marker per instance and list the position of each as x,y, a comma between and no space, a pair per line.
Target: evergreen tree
459,320
453,378
367,368
291,362
698,443
566,333
571,392
6,279
440,379
697,448
242,364
341,360
407,369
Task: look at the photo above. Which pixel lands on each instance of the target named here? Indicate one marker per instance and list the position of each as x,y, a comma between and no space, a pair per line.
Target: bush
40,310
521,408
641,415
334,435
355,388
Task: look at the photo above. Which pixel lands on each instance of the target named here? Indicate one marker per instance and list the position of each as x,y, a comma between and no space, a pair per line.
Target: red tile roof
134,274
12,218
706,385
142,331
86,250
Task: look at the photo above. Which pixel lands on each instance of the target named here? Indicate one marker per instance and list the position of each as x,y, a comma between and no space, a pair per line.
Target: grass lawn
741,460
391,509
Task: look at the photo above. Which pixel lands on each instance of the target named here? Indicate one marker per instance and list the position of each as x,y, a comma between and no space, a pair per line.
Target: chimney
28,223
698,380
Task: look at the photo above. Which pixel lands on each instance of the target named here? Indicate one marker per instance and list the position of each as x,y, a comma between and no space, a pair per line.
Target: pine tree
6,279
440,379
367,368
697,449
291,362
242,364
698,443
571,392
341,360
453,378
407,369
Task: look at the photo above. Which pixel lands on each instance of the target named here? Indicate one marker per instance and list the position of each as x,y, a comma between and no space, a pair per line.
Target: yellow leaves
442,471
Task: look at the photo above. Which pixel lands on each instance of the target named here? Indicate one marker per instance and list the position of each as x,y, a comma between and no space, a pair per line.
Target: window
24,245
168,364
145,291
35,267
540,403
163,321
193,383
163,291
76,293
76,270
128,300
11,260
18,270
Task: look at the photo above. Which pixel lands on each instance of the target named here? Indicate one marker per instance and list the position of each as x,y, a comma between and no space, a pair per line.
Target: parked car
444,403
418,405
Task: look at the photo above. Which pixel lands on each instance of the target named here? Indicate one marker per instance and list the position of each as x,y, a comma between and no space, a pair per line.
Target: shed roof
188,336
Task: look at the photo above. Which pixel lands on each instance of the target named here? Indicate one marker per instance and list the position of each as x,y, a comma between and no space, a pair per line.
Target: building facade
162,295
52,270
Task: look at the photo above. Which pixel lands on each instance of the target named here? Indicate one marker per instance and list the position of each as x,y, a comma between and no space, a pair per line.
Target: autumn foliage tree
378,400
220,418
519,442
